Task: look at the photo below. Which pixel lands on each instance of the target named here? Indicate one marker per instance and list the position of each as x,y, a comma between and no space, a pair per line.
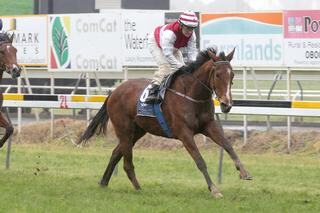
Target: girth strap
162,121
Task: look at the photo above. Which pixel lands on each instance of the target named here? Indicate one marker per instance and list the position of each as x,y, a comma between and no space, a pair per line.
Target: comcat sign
89,42
257,37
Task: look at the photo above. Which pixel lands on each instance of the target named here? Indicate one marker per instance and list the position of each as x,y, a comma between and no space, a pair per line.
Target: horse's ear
230,55
213,55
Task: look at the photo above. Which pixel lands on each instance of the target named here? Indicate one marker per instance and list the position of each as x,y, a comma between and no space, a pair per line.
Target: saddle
154,110
166,83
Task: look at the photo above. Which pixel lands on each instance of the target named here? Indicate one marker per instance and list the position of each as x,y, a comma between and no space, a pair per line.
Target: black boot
153,96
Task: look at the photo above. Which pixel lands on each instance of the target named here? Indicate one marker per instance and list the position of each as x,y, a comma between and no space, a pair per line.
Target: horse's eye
218,76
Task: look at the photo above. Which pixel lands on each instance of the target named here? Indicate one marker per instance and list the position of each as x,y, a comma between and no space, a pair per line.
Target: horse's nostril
17,69
16,72
225,108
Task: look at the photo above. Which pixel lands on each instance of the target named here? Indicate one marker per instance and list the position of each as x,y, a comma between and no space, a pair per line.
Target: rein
203,84
188,97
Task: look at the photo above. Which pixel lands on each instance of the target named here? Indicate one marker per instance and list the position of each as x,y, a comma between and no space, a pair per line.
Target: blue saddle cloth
144,109
152,110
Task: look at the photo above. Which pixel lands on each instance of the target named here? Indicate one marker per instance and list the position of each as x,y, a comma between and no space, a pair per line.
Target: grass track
60,178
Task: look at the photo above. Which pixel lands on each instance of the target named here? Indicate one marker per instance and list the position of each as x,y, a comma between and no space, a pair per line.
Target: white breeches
164,67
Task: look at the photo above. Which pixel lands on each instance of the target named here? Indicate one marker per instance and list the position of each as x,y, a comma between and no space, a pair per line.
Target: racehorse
187,107
8,63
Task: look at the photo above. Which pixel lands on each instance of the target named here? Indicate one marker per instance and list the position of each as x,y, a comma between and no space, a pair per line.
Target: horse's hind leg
214,132
114,159
9,129
128,164
124,147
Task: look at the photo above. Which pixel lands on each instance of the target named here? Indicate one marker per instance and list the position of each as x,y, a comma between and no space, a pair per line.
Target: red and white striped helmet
189,19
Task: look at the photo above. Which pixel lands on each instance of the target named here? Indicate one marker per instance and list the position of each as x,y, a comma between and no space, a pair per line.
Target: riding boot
153,96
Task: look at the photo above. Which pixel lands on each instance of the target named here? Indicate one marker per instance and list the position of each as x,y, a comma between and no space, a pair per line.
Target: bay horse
188,109
8,63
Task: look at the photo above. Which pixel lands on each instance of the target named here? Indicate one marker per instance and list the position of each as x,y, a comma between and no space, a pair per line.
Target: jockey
164,45
1,25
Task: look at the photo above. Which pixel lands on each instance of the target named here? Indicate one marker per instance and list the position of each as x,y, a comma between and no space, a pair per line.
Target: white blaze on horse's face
228,92
223,76
9,59
223,80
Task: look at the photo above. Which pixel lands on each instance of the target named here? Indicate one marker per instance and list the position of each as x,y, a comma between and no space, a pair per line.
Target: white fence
243,74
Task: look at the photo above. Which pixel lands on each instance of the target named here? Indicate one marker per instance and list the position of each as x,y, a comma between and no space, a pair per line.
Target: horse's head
221,77
8,56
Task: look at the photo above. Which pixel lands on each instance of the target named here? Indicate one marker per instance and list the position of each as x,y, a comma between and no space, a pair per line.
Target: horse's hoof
138,188
217,195
102,184
246,177
215,192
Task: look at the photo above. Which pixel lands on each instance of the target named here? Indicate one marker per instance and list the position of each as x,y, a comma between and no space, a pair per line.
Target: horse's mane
4,37
202,57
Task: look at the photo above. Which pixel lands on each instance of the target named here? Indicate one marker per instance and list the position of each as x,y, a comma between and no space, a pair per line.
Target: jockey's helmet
188,19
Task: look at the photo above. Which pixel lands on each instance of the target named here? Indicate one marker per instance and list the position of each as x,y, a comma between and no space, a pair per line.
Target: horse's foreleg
214,132
191,147
9,129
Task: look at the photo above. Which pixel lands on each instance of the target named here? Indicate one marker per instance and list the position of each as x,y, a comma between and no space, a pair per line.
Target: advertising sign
257,37
30,38
302,38
137,26
88,42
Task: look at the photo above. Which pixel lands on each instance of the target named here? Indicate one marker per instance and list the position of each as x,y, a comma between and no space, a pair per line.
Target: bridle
3,66
215,64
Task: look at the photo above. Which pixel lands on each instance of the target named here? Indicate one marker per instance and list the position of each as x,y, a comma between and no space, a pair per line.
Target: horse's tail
99,121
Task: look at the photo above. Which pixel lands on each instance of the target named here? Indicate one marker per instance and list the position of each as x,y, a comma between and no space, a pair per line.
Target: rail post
289,117
221,153
245,123
8,154
87,94
51,110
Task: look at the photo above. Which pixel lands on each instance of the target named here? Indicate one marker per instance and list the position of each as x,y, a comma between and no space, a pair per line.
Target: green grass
16,7
61,178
